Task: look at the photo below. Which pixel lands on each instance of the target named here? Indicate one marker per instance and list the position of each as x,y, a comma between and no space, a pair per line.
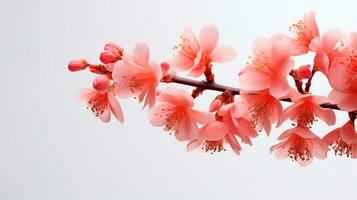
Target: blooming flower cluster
237,115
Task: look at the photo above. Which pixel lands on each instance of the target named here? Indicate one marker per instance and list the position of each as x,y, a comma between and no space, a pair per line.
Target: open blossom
102,103
263,109
343,140
304,32
195,55
269,67
301,145
327,49
175,112
111,53
343,79
135,76
305,111
230,123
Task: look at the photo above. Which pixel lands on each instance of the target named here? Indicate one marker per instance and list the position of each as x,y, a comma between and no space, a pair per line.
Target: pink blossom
269,67
111,53
195,55
327,49
135,76
343,140
263,109
305,111
77,65
342,78
231,123
175,112
301,145
102,103
304,32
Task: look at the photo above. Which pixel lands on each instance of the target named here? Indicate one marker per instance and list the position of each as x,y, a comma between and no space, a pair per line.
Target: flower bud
101,83
77,65
303,72
111,53
215,105
165,66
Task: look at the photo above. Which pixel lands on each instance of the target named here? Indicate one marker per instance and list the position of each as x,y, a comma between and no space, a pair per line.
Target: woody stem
204,85
308,83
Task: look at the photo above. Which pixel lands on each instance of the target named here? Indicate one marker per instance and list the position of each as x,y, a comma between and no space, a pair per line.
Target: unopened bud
165,66
303,72
77,65
101,82
111,53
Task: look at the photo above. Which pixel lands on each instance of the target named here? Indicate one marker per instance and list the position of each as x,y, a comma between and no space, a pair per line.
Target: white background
51,147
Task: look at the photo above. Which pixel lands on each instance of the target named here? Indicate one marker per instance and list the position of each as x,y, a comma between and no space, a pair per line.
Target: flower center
173,119
213,146
305,117
98,104
299,149
261,110
139,81
351,73
187,49
341,148
301,33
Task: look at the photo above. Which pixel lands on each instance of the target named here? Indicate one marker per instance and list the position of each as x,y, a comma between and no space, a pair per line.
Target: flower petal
222,53
141,54
280,87
208,38
325,114
348,133
200,117
332,136
115,107
214,131
251,78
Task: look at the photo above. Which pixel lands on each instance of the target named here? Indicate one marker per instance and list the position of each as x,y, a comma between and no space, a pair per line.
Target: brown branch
204,85
308,83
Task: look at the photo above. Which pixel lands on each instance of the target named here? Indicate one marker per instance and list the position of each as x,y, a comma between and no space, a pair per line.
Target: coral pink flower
111,53
301,145
327,49
136,76
263,109
102,103
343,140
175,112
305,111
343,80
195,55
213,136
304,32
269,68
